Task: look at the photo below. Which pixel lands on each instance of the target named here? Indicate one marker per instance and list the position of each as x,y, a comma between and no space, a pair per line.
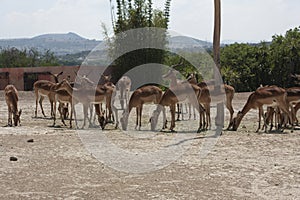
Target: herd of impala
282,104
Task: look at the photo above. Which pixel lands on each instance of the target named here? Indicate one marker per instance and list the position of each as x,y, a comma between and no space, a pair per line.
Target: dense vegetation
13,57
130,15
246,66
73,59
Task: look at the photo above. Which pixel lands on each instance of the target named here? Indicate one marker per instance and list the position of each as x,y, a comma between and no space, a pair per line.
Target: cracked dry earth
63,163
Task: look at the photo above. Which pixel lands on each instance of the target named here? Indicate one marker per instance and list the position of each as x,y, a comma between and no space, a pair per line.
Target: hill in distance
178,43
60,44
72,43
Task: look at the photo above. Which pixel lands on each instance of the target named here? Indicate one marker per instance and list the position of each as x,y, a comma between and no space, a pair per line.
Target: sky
242,20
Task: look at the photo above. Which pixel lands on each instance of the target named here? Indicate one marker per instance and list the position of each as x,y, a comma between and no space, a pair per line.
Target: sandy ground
63,163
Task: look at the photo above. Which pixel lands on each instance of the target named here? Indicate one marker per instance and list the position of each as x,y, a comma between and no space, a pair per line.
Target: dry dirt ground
63,163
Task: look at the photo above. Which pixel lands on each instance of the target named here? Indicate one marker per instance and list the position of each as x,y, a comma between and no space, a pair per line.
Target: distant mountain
71,43
59,37
60,44
188,43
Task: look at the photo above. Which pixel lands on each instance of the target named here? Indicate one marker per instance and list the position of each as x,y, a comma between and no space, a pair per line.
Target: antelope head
236,121
106,78
56,76
85,81
192,78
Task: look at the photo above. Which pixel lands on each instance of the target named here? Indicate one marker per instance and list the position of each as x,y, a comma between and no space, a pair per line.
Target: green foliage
73,59
237,61
48,59
133,14
246,66
285,54
140,14
201,63
13,57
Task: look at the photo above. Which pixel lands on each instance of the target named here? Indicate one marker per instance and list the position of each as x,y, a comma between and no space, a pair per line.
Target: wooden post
219,120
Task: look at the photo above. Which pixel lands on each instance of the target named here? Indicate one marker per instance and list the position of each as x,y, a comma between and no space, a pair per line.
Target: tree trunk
217,33
216,47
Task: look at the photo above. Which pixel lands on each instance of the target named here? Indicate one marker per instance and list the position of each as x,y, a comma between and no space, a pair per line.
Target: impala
85,96
110,109
64,98
141,96
293,98
124,85
42,88
268,95
204,98
229,92
11,97
181,92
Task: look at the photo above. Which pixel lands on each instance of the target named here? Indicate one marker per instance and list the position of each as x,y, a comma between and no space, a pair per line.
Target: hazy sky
242,20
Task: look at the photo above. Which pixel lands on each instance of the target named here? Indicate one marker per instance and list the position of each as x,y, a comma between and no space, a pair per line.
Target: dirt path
58,164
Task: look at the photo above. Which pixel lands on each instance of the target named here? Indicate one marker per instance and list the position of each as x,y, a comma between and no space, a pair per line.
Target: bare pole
217,33
216,50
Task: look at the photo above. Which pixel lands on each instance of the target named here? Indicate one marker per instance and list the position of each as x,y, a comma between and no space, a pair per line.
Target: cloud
192,18
242,20
257,20
82,17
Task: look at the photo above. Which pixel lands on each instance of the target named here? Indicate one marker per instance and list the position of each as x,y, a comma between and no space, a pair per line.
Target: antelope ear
60,73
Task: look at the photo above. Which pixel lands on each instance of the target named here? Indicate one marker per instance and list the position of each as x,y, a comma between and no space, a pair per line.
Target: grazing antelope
85,96
64,98
229,92
124,85
41,90
293,98
268,95
11,97
181,92
110,110
204,98
141,96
